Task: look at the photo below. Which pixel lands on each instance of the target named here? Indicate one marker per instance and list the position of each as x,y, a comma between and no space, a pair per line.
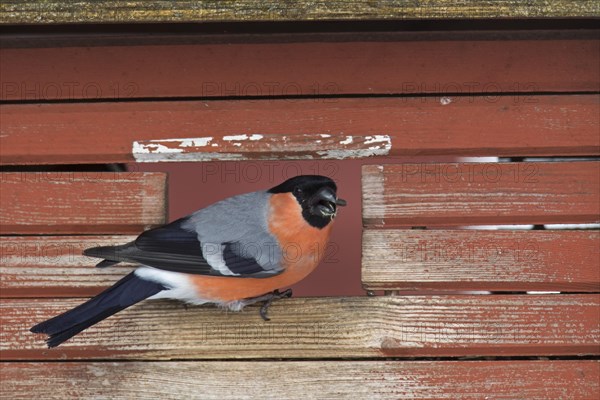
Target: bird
233,253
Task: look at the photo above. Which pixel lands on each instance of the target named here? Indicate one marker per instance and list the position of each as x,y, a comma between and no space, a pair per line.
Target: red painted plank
81,202
358,327
377,380
54,266
481,193
455,260
504,126
290,69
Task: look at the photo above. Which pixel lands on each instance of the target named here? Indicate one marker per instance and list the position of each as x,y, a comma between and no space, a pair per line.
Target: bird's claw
268,299
276,295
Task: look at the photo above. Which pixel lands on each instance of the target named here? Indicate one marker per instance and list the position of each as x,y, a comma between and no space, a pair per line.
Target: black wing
173,248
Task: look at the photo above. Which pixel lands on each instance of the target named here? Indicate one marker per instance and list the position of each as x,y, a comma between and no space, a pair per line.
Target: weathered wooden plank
408,260
53,266
284,129
535,380
81,202
313,69
109,11
480,193
390,326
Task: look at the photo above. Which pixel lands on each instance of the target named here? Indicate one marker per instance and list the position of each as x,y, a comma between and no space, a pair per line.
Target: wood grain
504,126
534,380
81,202
109,11
481,193
321,328
305,69
54,266
409,260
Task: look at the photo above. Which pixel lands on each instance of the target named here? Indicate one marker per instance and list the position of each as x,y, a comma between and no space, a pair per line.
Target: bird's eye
297,191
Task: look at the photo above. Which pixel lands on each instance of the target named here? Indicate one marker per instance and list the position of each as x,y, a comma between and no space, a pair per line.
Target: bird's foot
268,298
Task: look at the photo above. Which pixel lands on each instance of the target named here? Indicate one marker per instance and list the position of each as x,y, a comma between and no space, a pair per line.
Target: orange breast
303,247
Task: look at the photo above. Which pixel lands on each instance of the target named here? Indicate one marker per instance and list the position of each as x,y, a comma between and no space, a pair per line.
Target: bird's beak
325,203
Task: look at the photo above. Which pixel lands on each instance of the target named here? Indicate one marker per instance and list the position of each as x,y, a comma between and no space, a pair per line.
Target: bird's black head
316,195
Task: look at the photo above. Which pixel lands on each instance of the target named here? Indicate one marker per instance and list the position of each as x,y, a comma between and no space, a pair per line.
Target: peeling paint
238,147
348,140
243,137
184,142
340,154
381,145
153,148
199,156
197,142
235,137
378,139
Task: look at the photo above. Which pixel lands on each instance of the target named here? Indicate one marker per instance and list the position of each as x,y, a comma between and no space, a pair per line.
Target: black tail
126,292
109,253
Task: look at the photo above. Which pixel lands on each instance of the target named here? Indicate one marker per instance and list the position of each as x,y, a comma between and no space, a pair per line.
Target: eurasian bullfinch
235,252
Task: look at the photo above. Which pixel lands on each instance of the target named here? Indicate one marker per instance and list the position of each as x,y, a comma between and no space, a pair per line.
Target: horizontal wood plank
447,260
81,202
315,69
432,194
284,129
391,326
110,11
54,266
533,380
